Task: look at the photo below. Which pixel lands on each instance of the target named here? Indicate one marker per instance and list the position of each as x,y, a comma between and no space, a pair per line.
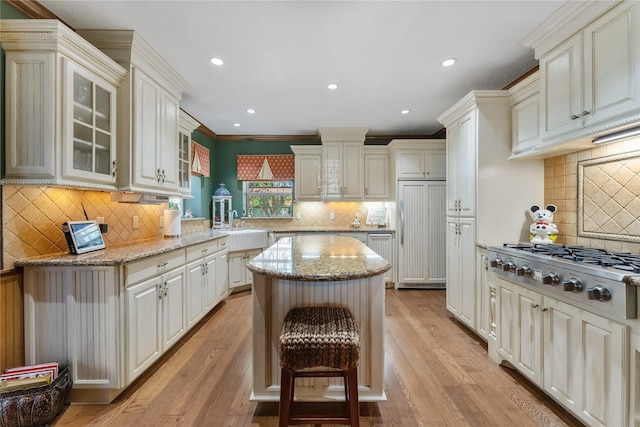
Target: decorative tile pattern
608,197
612,196
33,217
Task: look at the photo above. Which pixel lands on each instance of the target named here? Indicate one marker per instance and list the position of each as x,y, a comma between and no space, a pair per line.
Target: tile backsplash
32,218
561,189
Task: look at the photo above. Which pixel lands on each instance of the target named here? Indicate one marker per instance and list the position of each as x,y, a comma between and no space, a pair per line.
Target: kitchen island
315,270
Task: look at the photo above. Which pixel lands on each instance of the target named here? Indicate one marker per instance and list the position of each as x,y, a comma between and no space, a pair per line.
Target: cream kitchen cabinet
61,115
206,271
377,173
486,297
239,276
587,86
524,98
383,244
460,270
148,109
186,126
343,164
479,177
155,309
577,357
462,148
72,314
419,159
308,172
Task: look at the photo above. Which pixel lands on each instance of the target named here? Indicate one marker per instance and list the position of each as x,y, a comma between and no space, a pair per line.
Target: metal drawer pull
163,264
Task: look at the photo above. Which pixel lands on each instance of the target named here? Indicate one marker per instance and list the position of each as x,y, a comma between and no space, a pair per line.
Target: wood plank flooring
437,373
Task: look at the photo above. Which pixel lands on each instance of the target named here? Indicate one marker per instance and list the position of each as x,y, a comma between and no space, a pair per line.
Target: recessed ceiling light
405,111
251,111
332,86
216,61
449,62
237,125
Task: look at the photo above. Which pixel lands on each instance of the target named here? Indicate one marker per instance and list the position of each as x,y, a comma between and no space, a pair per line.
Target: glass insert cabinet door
184,169
90,138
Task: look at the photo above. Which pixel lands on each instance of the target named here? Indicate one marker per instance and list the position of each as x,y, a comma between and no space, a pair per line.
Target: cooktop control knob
523,270
496,263
509,266
551,279
572,285
599,293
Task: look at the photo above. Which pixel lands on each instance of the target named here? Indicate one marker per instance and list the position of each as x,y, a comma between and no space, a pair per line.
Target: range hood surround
140,198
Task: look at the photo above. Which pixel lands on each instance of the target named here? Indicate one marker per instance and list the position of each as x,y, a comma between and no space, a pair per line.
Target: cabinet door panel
507,321
174,321
603,383
222,278
308,168
466,165
377,176
210,291
353,170
562,337
411,164
561,88
529,355
611,82
168,140
195,297
144,326
146,110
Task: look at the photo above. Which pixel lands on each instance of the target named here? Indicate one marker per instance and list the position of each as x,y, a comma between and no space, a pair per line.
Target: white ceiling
280,55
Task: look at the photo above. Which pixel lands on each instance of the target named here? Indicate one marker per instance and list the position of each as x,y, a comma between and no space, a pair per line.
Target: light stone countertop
318,259
124,252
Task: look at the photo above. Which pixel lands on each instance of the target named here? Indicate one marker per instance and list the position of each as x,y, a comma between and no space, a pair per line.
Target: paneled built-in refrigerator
421,233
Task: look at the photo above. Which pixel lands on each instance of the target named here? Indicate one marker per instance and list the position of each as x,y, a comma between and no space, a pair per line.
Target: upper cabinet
61,98
186,126
419,159
148,114
524,99
377,173
308,172
343,163
589,68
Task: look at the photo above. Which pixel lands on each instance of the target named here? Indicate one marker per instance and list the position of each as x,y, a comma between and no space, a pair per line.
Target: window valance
199,160
266,168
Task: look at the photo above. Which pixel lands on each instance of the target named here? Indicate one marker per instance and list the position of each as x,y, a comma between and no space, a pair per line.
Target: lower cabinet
486,299
577,357
207,283
110,323
382,244
461,270
239,275
155,318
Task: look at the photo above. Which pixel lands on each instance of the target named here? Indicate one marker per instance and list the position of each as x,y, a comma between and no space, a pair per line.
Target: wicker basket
36,406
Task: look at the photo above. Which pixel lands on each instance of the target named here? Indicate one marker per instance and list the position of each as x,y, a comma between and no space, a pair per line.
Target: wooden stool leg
286,396
354,405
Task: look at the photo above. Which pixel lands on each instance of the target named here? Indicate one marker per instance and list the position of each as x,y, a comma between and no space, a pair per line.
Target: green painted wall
224,158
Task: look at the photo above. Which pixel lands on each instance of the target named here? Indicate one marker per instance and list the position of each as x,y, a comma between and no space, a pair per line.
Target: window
268,199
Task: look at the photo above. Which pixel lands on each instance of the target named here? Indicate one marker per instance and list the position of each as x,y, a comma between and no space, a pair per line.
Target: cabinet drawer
200,250
149,267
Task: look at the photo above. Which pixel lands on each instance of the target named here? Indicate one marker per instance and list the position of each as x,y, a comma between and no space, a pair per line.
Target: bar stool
323,337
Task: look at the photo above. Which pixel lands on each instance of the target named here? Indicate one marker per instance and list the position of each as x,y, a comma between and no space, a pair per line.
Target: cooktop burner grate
623,261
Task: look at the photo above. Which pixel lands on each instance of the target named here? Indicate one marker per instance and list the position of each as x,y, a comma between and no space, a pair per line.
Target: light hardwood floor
437,374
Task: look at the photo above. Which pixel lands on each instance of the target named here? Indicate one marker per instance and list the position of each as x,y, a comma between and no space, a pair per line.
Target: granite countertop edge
122,253
318,259
362,274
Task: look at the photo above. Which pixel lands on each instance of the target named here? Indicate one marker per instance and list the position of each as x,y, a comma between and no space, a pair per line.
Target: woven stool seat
319,337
